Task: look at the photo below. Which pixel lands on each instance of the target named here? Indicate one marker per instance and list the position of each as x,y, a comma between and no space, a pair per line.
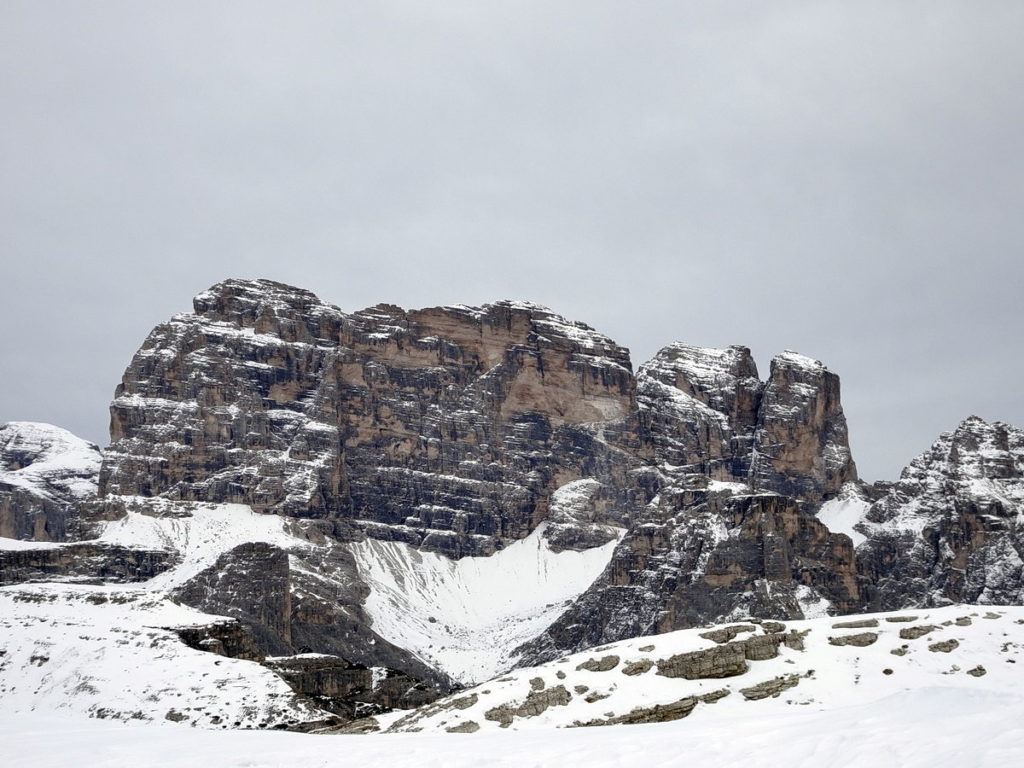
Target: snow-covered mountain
381,507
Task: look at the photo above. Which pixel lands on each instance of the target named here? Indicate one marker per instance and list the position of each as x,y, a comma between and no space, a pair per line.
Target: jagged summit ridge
950,529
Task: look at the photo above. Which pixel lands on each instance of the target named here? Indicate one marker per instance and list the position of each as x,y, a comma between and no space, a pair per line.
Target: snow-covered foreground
824,664
467,616
927,728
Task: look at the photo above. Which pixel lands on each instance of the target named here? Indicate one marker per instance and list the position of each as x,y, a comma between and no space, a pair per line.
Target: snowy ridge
208,531
48,460
467,616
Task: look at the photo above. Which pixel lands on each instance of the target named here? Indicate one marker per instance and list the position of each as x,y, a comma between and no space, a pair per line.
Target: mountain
381,507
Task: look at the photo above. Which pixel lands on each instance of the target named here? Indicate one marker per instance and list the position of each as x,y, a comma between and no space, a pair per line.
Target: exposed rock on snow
772,672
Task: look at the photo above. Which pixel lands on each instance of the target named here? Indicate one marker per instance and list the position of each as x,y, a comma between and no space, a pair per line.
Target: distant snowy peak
45,473
30,449
975,450
951,528
977,462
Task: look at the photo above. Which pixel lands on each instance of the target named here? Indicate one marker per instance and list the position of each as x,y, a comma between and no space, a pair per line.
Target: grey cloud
838,178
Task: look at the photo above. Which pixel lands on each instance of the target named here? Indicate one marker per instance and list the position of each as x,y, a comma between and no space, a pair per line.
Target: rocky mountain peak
801,441
948,530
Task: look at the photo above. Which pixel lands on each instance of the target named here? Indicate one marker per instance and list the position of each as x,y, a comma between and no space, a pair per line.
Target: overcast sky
841,179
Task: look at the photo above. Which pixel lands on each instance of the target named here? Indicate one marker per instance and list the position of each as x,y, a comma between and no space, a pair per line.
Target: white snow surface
468,616
62,462
846,510
107,652
922,716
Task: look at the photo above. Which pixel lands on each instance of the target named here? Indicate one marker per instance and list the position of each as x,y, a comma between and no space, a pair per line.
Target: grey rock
858,624
859,640
770,688
659,713
603,664
912,633
634,668
536,703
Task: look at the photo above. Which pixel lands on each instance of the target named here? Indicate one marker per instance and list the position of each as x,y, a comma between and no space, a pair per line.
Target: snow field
467,616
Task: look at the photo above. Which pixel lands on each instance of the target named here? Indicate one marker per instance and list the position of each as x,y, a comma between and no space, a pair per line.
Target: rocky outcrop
311,607
707,413
948,531
349,690
703,557
46,474
224,638
82,561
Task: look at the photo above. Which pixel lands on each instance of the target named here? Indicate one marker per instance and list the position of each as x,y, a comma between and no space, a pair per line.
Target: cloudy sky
841,179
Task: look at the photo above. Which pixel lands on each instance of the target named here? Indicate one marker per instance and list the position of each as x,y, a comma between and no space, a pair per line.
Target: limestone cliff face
801,447
447,428
707,413
699,406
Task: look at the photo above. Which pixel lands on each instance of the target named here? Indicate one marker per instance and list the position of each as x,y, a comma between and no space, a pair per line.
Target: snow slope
109,652
613,681
937,727
468,616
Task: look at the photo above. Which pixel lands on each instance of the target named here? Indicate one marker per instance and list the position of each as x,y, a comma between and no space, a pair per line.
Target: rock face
707,413
295,603
700,557
349,690
447,428
948,531
81,561
46,473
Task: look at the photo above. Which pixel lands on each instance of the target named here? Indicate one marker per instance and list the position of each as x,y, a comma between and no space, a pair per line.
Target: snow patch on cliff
844,512
200,538
467,616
